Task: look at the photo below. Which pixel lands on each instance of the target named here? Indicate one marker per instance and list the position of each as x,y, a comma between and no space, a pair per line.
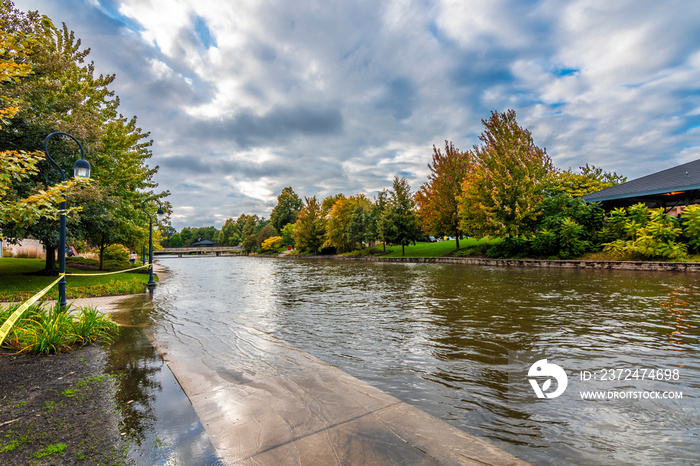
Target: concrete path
271,403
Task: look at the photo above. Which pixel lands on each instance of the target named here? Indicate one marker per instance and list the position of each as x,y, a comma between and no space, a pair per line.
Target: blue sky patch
203,33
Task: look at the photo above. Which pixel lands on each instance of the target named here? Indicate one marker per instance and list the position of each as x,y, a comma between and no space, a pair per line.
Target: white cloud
244,98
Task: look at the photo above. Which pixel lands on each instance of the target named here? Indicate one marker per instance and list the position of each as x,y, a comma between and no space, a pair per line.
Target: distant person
132,258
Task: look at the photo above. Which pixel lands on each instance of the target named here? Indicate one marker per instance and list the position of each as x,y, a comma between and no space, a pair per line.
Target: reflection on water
159,422
439,337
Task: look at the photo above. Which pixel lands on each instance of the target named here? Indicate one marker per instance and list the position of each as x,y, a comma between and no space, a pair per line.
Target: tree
19,38
288,235
273,243
309,229
62,93
176,241
268,231
230,233
437,200
501,195
287,209
99,223
590,179
399,223
339,219
374,231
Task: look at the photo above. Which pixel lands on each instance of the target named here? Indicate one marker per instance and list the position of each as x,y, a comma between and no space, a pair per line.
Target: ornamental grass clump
52,330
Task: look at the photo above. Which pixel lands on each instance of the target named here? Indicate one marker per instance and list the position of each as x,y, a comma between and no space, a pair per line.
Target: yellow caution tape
5,329
106,273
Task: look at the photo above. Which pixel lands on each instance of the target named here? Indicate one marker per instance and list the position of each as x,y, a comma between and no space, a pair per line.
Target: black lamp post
159,213
81,170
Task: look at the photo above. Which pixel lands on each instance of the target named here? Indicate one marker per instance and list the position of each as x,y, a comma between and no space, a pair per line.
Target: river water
458,342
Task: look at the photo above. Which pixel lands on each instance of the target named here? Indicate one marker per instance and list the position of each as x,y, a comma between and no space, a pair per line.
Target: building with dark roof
203,243
674,187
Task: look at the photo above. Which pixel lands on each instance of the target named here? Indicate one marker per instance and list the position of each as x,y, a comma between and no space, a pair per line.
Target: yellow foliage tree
272,243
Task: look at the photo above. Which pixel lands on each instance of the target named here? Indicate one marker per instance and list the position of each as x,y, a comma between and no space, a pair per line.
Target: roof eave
643,193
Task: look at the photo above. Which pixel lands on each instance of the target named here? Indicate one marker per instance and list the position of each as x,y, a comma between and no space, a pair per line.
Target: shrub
512,247
691,226
116,252
649,234
273,243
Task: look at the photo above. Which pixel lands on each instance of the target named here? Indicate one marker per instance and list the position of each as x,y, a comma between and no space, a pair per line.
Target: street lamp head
160,213
81,169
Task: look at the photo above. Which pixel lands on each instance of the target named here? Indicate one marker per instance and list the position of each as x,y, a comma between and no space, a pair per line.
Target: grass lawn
17,283
438,249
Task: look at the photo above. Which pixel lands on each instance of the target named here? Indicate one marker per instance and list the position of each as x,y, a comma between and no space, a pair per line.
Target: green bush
116,252
691,226
648,234
513,247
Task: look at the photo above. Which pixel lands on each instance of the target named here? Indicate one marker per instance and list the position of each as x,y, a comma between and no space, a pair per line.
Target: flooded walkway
291,408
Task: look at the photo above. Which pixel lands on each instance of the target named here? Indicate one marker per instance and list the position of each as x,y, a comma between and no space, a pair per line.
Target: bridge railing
190,249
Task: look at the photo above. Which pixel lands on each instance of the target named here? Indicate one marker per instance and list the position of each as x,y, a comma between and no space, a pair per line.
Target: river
458,342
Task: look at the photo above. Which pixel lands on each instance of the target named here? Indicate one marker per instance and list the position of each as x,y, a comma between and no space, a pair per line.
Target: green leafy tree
309,230
99,221
374,231
187,237
176,241
399,223
501,195
230,233
438,199
339,219
288,235
287,209
359,224
590,179
62,93
268,231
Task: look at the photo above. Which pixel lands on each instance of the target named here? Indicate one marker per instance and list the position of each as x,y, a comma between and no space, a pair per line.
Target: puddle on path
160,423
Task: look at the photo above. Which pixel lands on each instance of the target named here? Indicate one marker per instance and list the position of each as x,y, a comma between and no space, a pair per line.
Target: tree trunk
457,237
403,249
102,255
50,259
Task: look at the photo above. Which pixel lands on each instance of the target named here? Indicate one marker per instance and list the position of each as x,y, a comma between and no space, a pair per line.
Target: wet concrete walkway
292,408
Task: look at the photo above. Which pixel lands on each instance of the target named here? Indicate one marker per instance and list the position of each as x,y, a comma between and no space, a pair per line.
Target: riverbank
61,408
525,263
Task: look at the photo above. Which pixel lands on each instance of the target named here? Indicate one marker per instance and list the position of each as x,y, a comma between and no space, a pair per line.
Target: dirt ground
59,410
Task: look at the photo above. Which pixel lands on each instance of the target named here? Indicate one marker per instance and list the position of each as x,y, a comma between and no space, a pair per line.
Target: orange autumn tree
501,195
437,199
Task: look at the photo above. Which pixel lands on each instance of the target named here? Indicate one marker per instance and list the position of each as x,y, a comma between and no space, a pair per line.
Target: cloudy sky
245,97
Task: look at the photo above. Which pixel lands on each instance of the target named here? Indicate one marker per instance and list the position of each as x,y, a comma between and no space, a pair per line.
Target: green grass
17,283
55,449
48,330
438,249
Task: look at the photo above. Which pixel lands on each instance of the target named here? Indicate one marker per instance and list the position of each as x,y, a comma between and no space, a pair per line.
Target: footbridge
200,250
